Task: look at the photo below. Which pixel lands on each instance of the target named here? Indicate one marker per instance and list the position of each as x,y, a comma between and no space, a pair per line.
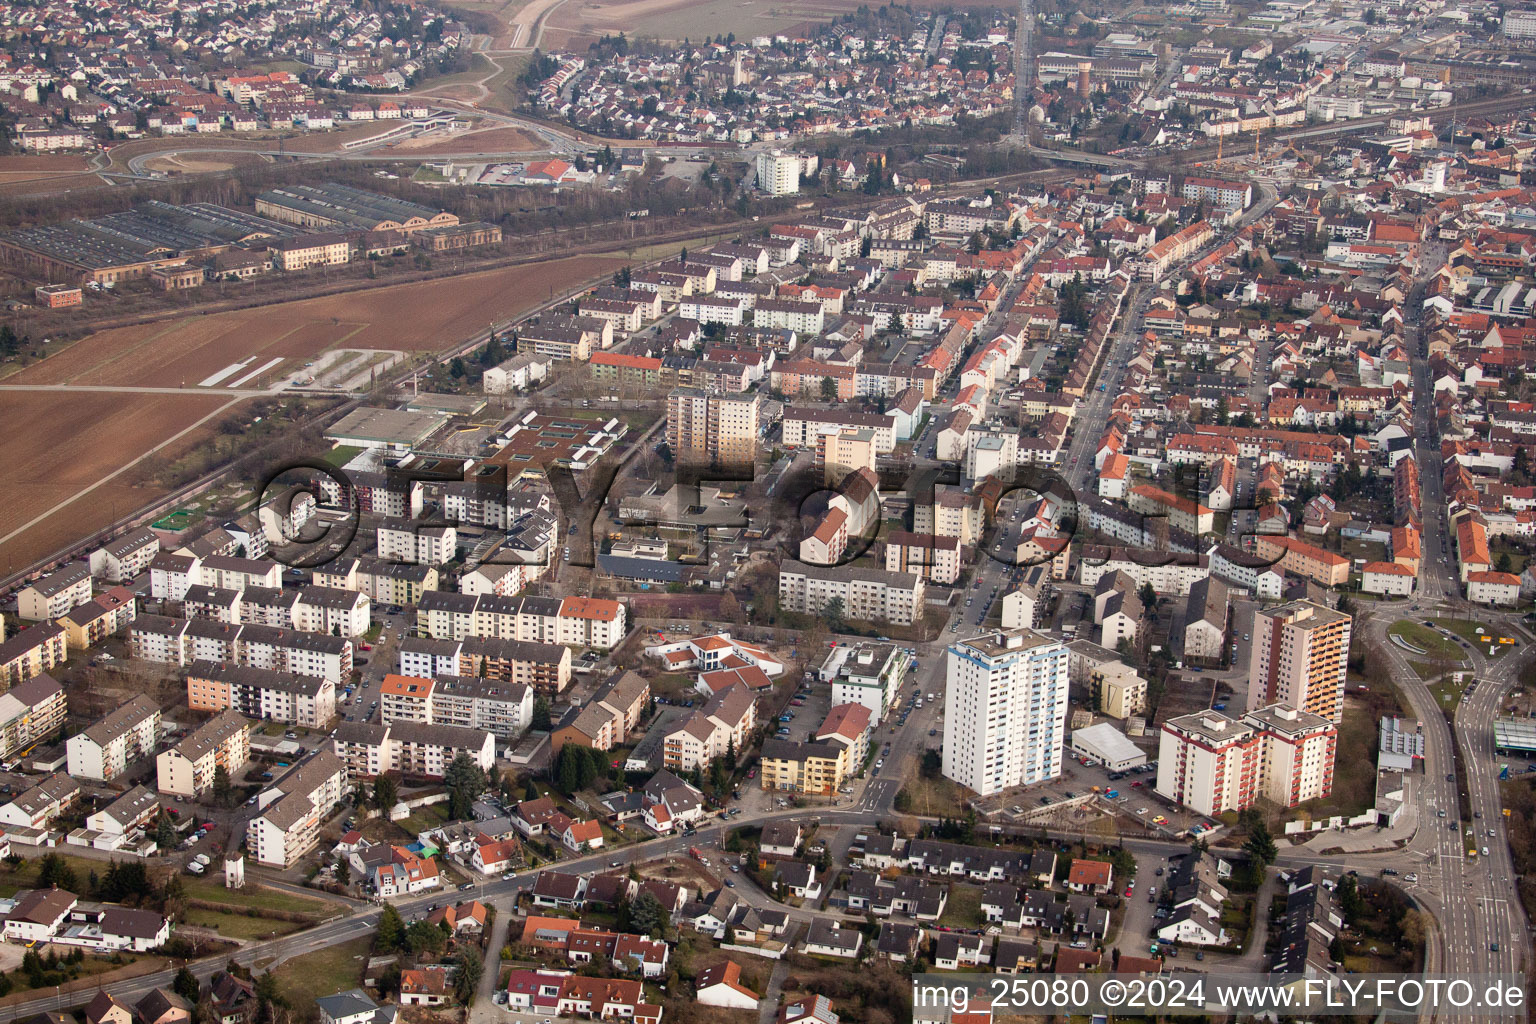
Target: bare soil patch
59,445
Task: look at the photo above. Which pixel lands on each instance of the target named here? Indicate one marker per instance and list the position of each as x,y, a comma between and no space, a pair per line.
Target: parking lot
1135,797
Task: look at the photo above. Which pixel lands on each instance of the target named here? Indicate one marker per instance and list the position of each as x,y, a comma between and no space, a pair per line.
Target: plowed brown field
420,317
60,446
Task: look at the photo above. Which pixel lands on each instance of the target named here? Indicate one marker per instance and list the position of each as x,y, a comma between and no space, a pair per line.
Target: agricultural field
421,317
45,172
67,443
574,22
487,140
64,447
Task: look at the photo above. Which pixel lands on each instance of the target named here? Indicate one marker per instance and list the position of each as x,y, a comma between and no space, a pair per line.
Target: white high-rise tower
1005,710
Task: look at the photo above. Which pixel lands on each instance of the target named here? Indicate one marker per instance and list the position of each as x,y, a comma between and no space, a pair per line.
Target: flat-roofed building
710,428
1299,658
390,429
1005,710
1212,764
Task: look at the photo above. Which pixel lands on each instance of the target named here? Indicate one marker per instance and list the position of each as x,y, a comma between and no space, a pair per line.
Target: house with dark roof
162,1006
898,942
798,879
832,938
559,889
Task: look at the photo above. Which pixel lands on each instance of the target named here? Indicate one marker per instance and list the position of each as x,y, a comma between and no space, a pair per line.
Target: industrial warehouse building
331,207
130,245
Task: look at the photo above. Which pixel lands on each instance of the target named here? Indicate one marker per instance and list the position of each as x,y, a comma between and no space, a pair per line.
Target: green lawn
1354,787
1447,692
1426,639
423,818
964,908
1467,629
324,972
240,926
341,455
258,896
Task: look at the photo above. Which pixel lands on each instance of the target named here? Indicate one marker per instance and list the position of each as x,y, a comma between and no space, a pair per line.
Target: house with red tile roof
720,984
1095,876
582,836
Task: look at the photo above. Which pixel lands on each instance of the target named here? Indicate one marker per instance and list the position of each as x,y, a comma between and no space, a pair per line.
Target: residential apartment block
817,768
188,768
870,674
583,621
1005,710
1213,764
417,542
469,702
290,812
184,641
54,594
1299,658
545,667
724,723
104,615
415,749
710,428
33,651
262,694
870,594
120,560
30,712
104,750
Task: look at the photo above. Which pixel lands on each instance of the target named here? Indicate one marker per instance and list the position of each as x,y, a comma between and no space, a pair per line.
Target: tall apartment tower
708,428
778,173
1005,710
1299,658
